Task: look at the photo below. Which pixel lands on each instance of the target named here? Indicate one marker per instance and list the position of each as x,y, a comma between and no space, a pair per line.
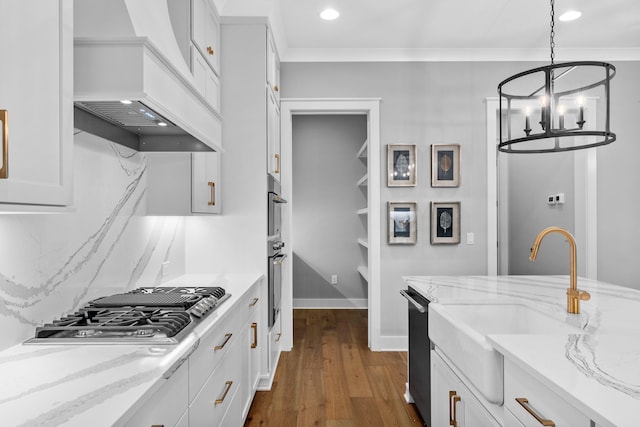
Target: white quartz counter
598,372
99,384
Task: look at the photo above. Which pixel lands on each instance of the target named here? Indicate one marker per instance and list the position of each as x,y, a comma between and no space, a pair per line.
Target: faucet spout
574,295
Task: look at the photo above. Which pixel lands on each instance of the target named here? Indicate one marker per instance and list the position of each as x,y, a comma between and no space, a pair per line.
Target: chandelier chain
552,43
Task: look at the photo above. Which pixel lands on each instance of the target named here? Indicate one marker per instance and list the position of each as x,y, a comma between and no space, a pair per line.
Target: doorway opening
368,269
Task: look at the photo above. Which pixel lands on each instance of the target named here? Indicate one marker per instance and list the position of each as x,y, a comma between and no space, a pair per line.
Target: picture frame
401,165
445,165
403,223
445,223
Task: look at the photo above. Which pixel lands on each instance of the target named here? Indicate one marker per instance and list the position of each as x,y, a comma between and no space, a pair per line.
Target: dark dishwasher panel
419,353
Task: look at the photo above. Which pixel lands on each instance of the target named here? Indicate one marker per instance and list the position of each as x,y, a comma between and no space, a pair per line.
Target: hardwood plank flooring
332,379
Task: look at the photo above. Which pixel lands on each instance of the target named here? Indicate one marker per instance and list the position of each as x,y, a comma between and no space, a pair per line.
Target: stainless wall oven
275,256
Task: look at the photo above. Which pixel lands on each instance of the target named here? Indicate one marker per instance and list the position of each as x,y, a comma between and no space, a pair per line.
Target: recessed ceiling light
329,14
126,101
570,15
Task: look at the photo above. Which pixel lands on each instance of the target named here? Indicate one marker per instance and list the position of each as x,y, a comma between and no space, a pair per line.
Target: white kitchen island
589,378
111,384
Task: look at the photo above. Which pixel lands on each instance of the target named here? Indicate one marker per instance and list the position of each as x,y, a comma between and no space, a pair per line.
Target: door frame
370,107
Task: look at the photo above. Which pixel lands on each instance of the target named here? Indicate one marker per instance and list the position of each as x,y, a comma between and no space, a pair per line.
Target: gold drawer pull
254,326
453,399
524,402
226,391
276,88
277,156
212,199
4,170
210,50
227,337
278,337
254,302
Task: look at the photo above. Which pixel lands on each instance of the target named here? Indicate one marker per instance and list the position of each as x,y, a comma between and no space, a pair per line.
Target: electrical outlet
334,279
165,268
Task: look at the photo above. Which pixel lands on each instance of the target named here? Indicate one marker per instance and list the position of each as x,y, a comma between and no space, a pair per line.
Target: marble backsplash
52,264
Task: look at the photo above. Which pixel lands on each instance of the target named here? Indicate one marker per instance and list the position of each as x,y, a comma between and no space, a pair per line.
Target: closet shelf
362,152
362,182
364,272
363,242
363,211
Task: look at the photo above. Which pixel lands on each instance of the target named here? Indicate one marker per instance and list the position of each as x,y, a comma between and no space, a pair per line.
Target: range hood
132,84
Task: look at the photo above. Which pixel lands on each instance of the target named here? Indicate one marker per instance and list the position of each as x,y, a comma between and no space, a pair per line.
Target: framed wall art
445,165
401,165
402,223
445,223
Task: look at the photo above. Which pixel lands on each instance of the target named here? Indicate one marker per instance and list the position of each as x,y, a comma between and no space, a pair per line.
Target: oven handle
278,199
277,260
416,304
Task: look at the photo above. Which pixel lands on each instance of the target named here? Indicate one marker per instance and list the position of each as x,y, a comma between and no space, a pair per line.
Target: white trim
370,107
492,193
454,55
343,303
393,343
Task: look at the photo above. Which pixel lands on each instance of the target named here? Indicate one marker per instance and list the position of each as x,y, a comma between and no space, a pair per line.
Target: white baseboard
392,343
330,303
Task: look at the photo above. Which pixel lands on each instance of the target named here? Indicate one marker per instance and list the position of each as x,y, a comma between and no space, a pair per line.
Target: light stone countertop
99,384
598,372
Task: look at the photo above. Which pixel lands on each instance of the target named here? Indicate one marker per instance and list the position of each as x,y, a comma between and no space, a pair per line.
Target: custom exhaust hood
132,84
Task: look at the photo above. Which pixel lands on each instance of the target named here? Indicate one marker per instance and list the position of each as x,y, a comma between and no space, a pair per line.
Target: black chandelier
540,108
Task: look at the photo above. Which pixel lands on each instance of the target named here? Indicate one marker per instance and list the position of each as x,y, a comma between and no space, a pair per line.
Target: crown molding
457,55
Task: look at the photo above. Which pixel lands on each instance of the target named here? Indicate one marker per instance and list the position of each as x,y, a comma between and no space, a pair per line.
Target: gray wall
434,103
325,225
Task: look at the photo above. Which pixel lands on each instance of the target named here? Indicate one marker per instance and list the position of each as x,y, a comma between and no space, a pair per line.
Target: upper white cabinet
36,92
273,67
205,183
274,160
183,183
205,31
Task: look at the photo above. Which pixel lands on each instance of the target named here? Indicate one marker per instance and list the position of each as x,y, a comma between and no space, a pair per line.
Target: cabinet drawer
167,405
539,399
213,401
212,349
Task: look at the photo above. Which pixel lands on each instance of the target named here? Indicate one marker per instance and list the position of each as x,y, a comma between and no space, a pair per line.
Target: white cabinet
530,402
206,80
36,91
275,335
168,405
452,402
254,343
183,183
205,31
273,67
205,183
273,136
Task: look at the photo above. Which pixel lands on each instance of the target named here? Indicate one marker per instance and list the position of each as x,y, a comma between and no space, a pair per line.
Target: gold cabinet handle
278,337
277,156
276,88
254,326
227,337
212,198
4,170
254,302
453,399
226,391
210,50
524,402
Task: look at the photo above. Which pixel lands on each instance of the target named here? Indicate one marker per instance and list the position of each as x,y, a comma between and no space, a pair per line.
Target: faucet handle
584,295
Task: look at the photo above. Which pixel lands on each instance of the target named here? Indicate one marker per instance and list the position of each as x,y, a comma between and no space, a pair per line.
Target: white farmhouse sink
460,331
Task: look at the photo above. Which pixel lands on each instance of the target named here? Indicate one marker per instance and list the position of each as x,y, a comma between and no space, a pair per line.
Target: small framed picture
445,165
402,223
445,223
401,165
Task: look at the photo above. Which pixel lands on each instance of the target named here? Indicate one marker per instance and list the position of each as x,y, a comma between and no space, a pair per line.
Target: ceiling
446,30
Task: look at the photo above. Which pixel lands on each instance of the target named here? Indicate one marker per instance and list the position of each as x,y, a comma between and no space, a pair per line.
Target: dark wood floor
332,379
